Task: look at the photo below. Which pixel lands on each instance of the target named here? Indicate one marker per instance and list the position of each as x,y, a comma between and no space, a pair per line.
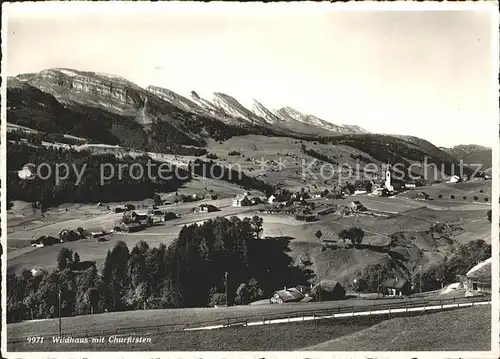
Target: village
367,201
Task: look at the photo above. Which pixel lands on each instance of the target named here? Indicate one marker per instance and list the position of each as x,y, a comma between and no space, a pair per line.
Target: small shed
396,287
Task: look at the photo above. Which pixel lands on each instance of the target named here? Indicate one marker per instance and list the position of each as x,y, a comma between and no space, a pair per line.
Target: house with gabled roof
396,287
478,278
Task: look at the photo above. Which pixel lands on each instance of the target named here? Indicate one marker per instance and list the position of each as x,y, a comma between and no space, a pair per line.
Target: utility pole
420,278
59,295
227,298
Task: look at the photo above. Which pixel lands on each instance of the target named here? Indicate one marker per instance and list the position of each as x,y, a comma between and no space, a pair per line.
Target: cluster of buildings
476,281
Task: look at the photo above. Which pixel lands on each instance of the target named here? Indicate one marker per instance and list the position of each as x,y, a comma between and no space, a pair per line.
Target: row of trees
191,272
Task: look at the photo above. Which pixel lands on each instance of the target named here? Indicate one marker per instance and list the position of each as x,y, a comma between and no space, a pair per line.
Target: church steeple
388,178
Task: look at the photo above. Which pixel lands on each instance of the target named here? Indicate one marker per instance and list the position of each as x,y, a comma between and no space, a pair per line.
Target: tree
489,215
371,278
369,187
76,258
354,234
157,199
254,290
64,258
257,226
242,294
92,299
318,234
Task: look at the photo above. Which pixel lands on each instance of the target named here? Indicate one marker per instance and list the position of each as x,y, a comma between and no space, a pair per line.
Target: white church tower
388,184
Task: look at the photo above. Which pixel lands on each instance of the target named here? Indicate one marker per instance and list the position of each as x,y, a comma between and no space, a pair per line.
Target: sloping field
158,321
458,330
92,250
255,148
459,190
281,337
168,334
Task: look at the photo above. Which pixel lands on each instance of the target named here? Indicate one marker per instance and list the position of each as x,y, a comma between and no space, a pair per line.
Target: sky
422,73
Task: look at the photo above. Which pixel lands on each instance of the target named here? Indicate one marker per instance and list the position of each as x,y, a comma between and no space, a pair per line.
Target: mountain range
155,110
471,154
113,110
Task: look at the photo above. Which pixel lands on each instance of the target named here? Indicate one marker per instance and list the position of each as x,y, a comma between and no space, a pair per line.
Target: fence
286,316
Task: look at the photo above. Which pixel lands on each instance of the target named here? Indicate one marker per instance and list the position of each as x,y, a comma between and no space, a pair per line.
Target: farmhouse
395,287
135,227
158,216
328,290
303,215
271,199
44,241
141,218
257,200
410,184
478,278
98,234
287,295
241,201
206,208
69,235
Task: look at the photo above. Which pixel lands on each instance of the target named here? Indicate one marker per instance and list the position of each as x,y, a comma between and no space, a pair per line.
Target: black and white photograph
309,178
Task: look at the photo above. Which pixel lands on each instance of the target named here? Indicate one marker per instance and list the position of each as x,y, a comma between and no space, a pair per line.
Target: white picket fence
304,318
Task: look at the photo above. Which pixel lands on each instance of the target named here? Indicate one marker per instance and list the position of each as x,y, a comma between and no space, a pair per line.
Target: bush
440,196
476,198
486,199
452,197
217,299
212,156
234,153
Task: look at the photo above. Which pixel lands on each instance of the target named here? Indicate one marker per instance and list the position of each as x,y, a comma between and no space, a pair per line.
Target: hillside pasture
91,249
470,190
254,149
458,330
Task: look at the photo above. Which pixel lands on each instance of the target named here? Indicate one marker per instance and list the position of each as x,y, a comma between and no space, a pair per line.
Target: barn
328,290
286,295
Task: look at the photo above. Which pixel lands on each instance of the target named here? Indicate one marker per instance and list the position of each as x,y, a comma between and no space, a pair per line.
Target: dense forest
191,272
128,186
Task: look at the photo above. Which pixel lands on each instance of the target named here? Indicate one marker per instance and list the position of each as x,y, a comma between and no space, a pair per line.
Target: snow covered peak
260,110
